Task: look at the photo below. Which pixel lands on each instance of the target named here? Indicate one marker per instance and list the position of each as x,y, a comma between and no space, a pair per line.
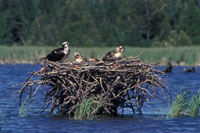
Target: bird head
65,44
119,49
76,55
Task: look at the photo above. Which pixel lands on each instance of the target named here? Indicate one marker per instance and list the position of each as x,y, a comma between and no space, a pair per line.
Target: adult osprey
59,54
114,55
78,58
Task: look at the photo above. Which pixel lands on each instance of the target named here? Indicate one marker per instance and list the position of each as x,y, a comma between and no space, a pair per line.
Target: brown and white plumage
78,58
92,59
59,54
114,55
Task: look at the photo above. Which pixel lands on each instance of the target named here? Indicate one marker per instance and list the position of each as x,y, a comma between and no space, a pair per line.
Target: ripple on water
153,120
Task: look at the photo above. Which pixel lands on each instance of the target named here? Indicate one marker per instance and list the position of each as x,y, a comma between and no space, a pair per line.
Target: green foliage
87,110
190,20
174,39
178,106
183,105
193,106
98,22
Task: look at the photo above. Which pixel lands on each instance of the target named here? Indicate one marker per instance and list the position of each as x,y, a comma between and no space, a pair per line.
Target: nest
125,83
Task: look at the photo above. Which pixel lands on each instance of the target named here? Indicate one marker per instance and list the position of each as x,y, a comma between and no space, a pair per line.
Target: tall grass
178,105
183,105
193,106
86,110
189,55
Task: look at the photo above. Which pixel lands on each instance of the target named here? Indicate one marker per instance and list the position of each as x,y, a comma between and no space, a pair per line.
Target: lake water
153,118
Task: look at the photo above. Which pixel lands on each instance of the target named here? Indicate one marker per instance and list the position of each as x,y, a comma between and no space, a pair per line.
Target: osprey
114,55
59,54
92,59
78,58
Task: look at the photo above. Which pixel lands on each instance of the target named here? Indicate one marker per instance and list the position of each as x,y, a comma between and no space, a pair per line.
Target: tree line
142,23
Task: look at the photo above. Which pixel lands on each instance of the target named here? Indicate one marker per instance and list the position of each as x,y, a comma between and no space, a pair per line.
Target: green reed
25,106
178,106
86,110
20,54
185,106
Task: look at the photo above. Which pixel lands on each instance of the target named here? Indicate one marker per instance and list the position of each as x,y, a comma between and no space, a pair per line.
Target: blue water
153,118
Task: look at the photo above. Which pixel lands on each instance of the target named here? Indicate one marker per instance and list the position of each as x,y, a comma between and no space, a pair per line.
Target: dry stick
74,81
25,85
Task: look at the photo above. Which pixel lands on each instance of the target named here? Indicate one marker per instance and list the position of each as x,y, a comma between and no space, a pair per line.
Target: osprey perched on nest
78,58
59,54
114,55
92,59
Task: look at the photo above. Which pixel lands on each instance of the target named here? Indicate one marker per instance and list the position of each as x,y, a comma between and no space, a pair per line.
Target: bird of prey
92,60
114,55
78,58
60,54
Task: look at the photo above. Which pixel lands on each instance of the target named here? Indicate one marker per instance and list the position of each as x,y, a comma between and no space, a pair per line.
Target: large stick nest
125,83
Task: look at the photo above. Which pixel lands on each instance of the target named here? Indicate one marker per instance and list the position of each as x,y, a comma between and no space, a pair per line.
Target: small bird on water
60,54
190,70
169,67
114,55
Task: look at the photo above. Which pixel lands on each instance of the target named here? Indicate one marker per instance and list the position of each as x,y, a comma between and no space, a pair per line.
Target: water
152,120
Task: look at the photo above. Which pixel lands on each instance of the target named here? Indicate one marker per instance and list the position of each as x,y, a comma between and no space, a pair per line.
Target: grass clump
193,106
184,106
86,110
178,105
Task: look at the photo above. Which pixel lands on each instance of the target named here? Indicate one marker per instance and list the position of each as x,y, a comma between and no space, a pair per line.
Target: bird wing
55,55
107,56
110,56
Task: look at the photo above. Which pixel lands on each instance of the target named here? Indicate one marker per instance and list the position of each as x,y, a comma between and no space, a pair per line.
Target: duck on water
187,70
169,67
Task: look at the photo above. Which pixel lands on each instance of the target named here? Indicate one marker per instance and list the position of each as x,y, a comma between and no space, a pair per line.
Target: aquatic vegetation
183,105
2,120
161,115
87,109
189,55
24,108
193,106
177,106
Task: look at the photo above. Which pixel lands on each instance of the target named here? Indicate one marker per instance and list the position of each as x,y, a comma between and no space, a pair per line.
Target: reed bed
85,90
184,105
32,54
